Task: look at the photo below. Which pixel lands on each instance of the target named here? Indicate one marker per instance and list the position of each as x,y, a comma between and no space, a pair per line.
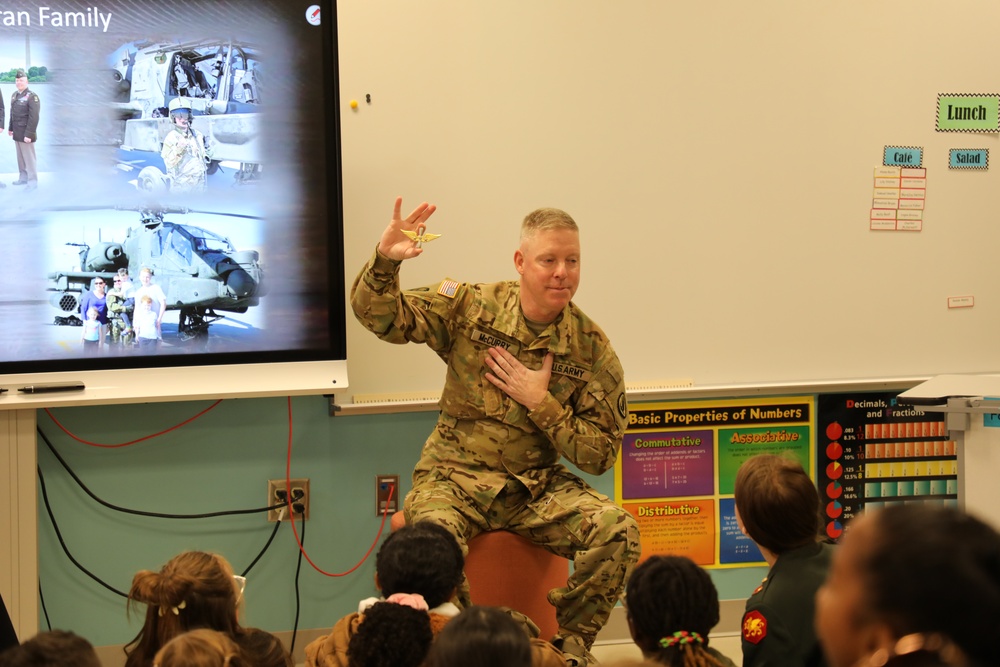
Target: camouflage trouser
569,519
118,327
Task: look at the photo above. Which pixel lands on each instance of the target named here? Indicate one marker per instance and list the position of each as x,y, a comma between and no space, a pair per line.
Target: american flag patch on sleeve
448,288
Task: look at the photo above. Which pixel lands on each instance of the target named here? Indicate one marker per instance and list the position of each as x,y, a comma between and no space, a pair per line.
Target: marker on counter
46,387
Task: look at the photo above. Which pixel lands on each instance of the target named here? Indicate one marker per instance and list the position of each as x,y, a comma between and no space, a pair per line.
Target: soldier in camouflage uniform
118,321
186,152
530,378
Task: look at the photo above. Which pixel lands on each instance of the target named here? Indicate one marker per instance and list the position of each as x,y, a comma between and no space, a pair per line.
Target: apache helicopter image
218,80
200,272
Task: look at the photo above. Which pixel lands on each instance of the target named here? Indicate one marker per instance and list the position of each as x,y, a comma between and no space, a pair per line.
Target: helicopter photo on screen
206,277
218,82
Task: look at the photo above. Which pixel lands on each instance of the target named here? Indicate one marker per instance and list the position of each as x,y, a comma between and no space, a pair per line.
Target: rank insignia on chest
448,288
754,627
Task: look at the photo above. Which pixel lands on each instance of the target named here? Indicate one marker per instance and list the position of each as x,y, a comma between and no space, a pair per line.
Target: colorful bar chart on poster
873,452
677,469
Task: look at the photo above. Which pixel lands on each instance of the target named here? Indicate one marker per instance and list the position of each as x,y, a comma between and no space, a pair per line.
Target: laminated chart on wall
898,199
677,469
872,452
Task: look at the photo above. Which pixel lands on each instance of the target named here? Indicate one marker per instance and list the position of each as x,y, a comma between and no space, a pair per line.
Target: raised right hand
396,245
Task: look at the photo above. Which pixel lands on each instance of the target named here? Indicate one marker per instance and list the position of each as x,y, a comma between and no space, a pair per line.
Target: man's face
182,120
145,277
21,82
549,264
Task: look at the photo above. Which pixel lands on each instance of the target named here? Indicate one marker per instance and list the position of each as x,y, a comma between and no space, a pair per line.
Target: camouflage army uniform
186,155
490,463
778,621
116,323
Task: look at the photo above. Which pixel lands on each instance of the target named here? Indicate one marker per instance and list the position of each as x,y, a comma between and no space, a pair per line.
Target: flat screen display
171,186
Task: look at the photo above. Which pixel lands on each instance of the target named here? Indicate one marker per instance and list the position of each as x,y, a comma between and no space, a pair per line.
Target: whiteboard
719,159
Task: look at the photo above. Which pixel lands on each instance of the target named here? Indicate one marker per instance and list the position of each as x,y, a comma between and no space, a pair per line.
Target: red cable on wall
295,532
131,442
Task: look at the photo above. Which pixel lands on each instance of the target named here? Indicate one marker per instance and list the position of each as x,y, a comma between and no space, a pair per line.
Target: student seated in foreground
200,648
8,637
417,560
777,506
671,606
395,633
53,648
481,637
913,586
419,565
196,590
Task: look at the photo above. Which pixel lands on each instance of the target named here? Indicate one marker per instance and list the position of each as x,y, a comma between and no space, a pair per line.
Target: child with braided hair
671,606
420,562
405,620
419,565
194,590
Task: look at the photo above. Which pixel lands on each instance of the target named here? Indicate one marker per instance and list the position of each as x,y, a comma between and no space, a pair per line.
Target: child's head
92,313
928,573
146,301
483,636
776,502
390,635
54,647
260,647
200,648
422,558
672,605
193,590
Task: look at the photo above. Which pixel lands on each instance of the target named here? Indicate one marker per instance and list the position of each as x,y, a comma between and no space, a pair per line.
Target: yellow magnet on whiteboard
354,104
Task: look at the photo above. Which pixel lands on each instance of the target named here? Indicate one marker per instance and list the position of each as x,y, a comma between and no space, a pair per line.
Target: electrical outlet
300,496
384,486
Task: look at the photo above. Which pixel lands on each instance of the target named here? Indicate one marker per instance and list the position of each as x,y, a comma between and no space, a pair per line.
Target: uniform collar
556,337
808,551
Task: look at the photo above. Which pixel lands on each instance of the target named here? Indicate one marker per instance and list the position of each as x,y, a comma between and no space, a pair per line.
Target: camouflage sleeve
170,153
414,316
589,432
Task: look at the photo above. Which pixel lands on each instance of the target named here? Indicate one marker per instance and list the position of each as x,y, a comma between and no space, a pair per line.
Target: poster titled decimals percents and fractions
873,452
678,463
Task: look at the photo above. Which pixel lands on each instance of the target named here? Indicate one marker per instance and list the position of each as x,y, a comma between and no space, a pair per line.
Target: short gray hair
544,219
